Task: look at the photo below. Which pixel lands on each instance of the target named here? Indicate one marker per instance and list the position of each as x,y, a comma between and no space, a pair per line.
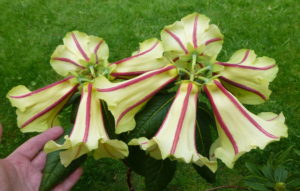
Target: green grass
31,29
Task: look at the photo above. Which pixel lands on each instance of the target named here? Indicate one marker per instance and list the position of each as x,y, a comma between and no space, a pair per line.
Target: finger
30,148
70,181
39,161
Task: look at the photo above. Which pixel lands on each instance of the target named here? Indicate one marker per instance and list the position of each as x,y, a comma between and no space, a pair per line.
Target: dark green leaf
297,152
136,160
280,157
159,173
257,186
109,121
268,172
280,174
204,123
205,173
54,172
151,117
259,180
254,169
294,183
75,106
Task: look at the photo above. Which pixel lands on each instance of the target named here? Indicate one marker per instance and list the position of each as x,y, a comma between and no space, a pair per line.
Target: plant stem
193,67
184,70
230,186
129,184
203,69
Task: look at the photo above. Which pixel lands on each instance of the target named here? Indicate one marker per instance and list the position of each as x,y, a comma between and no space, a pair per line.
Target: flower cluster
187,54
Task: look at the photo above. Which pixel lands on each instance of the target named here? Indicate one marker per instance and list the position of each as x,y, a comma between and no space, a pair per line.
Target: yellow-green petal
176,136
192,34
78,50
88,133
37,110
248,77
125,99
148,57
240,130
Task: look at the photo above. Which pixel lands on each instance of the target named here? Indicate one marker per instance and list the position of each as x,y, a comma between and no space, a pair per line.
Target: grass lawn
31,29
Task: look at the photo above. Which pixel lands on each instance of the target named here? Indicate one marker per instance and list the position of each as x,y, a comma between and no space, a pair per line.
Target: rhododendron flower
240,130
125,99
192,44
82,59
176,136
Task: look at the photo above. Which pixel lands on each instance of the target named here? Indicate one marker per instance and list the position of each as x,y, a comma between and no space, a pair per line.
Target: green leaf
159,174
205,173
136,160
268,172
151,117
280,157
280,174
257,186
253,169
294,183
109,121
258,183
54,172
75,106
204,123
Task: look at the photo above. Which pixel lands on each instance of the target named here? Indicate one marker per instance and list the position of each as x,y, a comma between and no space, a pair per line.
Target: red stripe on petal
246,67
175,37
96,50
80,48
88,113
243,87
137,55
181,118
195,32
243,60
242,110
52,106
69,61
212,40
116,74
221,122
136,80
177,94
42,89
245,57
143,99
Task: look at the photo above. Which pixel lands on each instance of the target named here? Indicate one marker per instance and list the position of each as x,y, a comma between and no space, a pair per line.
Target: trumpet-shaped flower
148,57
176,136
192,35
37,110
240,130
248,77
193,45
126,98
82,59
88,132
79,53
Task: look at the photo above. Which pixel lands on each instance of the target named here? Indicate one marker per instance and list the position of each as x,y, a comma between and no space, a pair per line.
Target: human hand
22,169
